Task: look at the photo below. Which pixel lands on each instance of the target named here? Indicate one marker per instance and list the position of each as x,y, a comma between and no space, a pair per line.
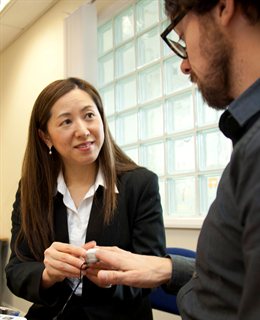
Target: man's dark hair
250,8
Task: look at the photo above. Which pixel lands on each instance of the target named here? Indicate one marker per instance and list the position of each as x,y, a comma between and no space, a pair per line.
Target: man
222,56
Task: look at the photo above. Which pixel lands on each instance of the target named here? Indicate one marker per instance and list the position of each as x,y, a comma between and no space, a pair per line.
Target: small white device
91,256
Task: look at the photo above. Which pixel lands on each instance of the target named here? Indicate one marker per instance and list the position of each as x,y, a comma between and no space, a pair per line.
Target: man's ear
45,138
225,11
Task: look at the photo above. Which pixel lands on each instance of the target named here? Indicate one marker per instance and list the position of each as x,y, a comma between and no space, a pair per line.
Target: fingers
66,248
65,253
111,277
113,257
63,260
128,278
92,272
113,249
89,245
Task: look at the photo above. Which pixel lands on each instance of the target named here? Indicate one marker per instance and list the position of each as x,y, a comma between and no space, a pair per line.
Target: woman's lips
84,146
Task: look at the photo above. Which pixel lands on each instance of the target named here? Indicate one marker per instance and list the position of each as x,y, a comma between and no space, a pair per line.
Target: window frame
170,222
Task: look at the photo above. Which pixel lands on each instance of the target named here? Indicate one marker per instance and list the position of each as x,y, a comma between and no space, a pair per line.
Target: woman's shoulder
139,174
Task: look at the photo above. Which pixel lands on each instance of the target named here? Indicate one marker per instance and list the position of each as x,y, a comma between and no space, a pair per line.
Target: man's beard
215,85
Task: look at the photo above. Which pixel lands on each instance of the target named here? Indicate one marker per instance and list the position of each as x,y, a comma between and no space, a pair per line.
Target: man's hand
118,266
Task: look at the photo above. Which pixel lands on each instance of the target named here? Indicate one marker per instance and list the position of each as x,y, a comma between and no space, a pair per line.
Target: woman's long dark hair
40,170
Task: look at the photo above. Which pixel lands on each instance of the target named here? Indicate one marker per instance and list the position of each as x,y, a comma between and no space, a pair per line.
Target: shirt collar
247,104
241,113
100,181
61,186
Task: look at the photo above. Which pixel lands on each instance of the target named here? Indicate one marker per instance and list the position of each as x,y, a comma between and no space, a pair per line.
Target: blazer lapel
96,219
60,220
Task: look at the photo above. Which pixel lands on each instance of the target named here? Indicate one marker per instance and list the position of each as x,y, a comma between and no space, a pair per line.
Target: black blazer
137,226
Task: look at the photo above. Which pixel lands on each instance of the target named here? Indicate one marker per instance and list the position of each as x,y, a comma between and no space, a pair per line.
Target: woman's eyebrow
67,114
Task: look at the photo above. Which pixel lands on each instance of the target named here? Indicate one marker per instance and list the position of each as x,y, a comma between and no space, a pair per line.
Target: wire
71,294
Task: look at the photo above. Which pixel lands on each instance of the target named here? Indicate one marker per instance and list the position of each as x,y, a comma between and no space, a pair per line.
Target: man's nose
185,66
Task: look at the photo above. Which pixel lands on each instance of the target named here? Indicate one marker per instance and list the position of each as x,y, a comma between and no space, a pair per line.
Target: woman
76,186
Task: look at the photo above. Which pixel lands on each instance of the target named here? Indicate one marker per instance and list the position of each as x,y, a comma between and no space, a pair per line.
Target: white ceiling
17,16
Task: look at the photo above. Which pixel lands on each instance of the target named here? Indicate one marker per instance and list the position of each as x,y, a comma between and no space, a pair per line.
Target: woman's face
75,129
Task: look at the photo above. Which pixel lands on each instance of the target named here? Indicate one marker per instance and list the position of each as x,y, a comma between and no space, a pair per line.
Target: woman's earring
50,151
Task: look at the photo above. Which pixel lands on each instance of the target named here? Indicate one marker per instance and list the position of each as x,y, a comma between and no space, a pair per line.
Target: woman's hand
63,260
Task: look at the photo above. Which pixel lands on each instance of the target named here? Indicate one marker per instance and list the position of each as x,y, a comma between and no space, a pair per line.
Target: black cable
71,294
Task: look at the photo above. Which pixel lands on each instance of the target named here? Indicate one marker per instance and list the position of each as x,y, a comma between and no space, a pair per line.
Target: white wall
26,67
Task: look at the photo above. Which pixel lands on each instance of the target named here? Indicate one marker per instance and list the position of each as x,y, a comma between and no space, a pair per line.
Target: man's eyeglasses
172,39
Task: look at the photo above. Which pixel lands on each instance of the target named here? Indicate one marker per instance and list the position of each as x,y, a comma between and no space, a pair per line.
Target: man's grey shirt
226,283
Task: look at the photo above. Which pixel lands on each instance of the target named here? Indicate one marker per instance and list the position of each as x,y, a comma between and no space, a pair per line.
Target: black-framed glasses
173,40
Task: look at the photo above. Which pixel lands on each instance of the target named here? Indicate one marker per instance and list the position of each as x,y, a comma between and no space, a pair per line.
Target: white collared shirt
78,218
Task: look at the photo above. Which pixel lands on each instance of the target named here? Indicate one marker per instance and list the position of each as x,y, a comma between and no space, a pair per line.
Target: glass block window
157,115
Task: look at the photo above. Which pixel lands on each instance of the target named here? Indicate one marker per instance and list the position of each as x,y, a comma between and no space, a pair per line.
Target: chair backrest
161,300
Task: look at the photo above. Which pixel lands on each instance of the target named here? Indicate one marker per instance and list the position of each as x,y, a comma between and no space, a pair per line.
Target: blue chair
160,300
